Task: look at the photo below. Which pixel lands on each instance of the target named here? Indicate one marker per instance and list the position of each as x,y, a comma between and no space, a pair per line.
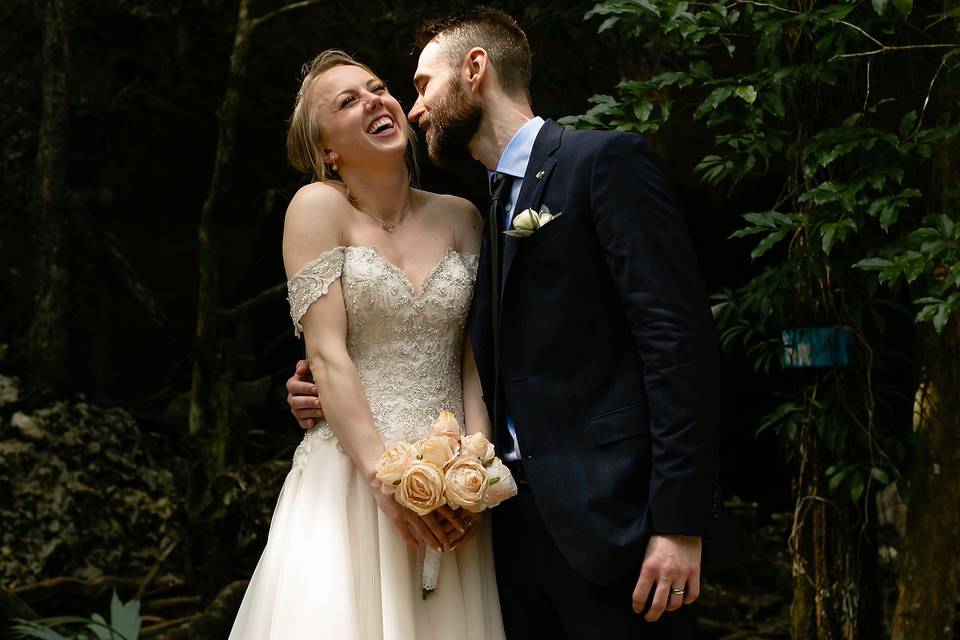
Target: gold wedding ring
677,591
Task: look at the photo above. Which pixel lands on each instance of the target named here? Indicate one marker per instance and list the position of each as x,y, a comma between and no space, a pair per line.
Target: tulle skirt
335,568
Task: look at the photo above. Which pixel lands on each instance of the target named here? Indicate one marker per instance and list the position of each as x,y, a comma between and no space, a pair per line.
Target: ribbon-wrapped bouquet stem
445,468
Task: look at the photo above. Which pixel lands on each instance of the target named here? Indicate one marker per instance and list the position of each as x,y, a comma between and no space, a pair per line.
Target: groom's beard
453,123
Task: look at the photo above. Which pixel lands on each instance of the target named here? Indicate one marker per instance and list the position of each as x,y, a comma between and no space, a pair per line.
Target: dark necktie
499,196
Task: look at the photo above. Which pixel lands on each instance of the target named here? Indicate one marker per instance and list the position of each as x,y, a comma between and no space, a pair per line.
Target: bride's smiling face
361,121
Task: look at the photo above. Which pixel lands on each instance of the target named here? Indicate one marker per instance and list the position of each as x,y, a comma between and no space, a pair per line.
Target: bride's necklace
387,226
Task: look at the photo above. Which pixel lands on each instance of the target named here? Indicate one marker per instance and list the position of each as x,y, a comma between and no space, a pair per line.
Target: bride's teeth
379,122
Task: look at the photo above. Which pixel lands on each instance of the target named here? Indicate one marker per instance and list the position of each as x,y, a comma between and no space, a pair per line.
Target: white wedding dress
333,566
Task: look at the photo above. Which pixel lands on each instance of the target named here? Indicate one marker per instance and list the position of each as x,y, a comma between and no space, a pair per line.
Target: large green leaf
880,6
880,475
125,618
768,243
903,6
856,486
26,629
747,92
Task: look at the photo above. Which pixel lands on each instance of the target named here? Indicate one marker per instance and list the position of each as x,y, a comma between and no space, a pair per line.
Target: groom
594,344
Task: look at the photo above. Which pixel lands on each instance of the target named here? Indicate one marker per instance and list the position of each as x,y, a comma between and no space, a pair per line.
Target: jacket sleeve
651,260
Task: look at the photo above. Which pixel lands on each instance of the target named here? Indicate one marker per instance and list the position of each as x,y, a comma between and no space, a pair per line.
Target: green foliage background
816,124
835,101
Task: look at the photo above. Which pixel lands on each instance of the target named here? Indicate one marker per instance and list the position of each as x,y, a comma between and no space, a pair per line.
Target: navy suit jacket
608,355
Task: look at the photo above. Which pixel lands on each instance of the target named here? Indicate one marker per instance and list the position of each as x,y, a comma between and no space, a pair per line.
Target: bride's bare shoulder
462,217
318,203
461,211
314,223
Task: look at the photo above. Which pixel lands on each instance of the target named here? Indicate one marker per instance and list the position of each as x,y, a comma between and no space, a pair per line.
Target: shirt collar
516,155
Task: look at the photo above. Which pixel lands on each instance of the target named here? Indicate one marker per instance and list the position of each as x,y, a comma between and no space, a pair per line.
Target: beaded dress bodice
406,345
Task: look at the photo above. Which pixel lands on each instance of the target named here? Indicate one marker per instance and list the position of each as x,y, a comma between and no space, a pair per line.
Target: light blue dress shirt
513,162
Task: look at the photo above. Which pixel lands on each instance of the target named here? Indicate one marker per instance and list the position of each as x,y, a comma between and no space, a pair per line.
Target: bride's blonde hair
305,136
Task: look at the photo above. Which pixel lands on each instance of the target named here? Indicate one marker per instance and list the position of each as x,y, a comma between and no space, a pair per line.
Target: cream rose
500,484
528,221
477,446
466,484
445,425
393,462
421,488
439,451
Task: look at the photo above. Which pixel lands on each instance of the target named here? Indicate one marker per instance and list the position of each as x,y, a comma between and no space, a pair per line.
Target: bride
380,281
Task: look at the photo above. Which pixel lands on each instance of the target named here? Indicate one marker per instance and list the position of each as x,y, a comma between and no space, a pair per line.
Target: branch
769,6
926,100
290,7
213,622
864,33
75,590
155,629
152,574
881,50
866,98
264,296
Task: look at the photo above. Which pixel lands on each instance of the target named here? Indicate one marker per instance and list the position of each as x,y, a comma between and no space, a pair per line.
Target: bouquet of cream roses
445,468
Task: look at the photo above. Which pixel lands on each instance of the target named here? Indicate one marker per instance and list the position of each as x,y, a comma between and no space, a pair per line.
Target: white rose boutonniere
527,222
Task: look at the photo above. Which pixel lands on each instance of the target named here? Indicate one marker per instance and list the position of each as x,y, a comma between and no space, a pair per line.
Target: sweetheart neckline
403,274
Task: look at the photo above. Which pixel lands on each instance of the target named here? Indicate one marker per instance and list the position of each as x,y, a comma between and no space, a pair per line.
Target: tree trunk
803,611
929,572
212,399
210,403
206,422
46,347
834,552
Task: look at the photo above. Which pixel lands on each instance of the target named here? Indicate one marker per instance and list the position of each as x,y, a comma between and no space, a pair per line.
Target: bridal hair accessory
445,468
528,221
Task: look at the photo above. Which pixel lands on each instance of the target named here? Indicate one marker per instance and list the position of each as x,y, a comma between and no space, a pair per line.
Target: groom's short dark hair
495,32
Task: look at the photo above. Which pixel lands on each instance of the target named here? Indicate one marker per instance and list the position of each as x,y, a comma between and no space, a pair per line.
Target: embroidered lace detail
311,282
406,346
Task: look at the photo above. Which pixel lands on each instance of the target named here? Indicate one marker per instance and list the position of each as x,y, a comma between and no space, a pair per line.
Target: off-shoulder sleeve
311,282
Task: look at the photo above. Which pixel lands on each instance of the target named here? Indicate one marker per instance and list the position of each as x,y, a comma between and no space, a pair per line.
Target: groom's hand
302,396
670,562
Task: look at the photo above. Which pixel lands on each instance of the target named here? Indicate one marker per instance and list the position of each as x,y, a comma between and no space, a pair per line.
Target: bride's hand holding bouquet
446,472
413,526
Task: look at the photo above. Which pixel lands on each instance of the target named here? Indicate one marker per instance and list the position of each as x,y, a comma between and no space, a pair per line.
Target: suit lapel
539,167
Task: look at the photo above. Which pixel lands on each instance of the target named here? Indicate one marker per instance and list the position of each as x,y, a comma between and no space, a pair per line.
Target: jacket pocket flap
620,424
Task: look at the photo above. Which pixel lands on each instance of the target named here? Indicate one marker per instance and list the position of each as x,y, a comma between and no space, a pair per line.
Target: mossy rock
82,500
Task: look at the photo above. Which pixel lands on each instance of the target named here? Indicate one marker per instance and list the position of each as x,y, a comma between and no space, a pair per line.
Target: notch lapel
531,190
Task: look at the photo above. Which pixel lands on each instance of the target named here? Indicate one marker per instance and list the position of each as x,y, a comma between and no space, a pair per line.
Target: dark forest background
117,471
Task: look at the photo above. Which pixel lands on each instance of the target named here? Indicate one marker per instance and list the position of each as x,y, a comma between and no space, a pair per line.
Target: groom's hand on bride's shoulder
302,396
670,576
